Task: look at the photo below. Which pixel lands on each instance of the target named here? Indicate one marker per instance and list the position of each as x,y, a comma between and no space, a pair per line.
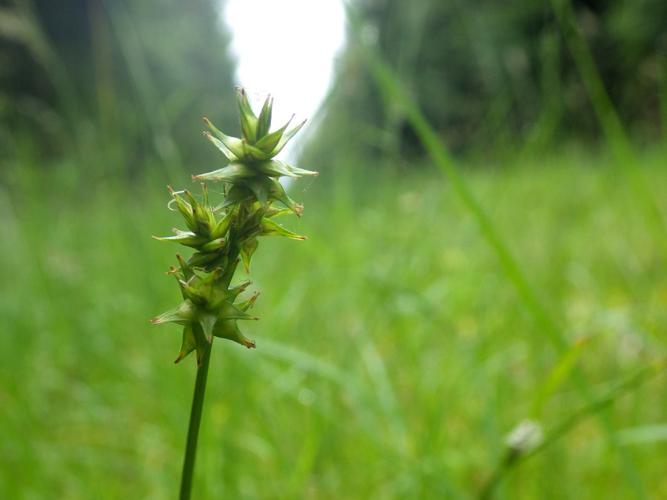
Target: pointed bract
230,330
207,323
185,209
247,117
270,227
264,121
269,142
233,144
277,192
247,250
230,173
182,315
236,290
286,138
188,343
222,225
186,238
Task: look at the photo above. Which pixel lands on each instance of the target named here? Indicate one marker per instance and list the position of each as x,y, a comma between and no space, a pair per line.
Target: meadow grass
393,355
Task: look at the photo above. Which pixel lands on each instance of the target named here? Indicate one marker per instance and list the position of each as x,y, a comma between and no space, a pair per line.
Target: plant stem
193,428
198,396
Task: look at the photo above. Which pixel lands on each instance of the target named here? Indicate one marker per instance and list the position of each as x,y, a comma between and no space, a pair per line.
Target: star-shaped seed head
225,234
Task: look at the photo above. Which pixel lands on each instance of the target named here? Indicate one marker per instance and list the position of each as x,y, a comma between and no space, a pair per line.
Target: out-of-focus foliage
130,80
393,368
489,73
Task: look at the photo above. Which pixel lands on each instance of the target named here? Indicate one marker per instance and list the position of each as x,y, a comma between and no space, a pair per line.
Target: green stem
198,396
490,486
193,428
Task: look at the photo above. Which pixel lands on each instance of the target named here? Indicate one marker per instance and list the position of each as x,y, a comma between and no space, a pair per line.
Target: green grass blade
595,406
389,84
612,127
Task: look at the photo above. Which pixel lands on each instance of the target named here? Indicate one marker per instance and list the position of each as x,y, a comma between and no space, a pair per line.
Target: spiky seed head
227,233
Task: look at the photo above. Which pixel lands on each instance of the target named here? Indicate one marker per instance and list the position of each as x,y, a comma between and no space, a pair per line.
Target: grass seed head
224,234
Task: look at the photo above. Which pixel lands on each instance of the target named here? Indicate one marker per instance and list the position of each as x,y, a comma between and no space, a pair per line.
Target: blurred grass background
394,355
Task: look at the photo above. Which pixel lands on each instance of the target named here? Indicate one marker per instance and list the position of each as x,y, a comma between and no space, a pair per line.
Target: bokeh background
487,246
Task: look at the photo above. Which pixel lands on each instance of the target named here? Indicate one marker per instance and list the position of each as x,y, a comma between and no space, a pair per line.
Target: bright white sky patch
286,48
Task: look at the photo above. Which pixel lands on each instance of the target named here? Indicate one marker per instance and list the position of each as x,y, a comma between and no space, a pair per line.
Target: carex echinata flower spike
227,232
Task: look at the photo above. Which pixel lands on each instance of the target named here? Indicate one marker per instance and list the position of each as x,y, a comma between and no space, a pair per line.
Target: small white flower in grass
525,437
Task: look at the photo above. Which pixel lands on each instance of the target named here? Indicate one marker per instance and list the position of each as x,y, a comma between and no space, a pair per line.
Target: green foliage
393,356
121,84
400,356
491,74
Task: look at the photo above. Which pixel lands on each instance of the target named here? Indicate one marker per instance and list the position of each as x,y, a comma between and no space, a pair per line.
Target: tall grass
617,139
390,84
394,367
416,329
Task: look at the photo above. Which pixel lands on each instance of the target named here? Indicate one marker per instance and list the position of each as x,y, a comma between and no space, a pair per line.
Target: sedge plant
224,233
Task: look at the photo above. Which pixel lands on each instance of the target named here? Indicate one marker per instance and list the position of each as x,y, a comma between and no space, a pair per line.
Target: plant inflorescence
222,235
226,232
